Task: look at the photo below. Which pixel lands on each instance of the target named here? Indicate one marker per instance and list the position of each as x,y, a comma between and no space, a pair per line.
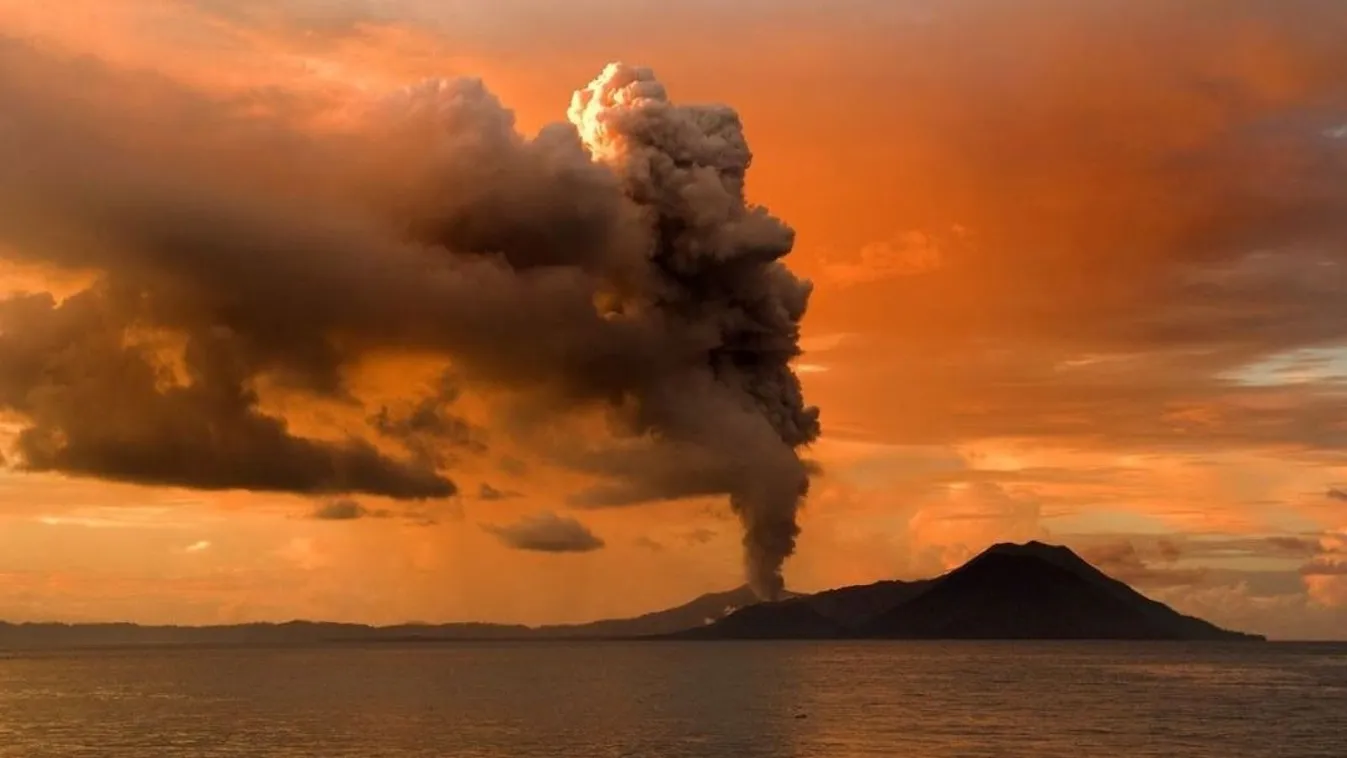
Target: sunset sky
1080,275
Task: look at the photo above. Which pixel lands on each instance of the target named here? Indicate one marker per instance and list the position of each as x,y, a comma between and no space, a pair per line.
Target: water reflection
755,700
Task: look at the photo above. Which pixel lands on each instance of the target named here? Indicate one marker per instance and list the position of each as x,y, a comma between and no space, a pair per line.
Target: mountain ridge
1009,591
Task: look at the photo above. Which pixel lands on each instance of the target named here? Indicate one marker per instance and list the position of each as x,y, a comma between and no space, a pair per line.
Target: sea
680,700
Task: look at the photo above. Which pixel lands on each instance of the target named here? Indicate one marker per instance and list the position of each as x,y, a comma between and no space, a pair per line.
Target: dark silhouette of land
1013,592
699,612
1009,592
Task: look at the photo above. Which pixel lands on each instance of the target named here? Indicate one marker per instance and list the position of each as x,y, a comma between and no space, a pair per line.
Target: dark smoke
607,263
715,263
96,406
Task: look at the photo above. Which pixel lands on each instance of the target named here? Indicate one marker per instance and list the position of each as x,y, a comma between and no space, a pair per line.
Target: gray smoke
607,263
714,264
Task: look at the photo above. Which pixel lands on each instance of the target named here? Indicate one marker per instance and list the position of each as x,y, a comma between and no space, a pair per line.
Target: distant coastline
1009,592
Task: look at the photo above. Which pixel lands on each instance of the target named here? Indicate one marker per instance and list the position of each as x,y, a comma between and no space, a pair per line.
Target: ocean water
601,700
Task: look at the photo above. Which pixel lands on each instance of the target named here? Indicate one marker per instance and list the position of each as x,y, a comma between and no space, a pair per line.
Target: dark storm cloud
547,533
1337,494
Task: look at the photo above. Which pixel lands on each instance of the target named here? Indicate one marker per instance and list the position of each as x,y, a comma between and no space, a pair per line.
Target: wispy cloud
908,254
118,517
488,493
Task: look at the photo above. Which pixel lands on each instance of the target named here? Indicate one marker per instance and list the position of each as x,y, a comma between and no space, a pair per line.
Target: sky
1077,272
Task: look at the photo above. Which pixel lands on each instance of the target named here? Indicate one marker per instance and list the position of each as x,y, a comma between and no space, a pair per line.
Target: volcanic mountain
1031,591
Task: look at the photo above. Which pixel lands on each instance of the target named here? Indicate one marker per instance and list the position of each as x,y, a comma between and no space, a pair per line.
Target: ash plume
611,263
714,265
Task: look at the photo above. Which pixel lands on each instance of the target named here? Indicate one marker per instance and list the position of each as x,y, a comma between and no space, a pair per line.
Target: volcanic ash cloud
714,265
611,262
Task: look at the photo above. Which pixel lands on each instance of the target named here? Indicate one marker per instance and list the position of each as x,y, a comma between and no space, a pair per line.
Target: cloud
699,536
490,494
428,430
62,358
609,264
547,533
1237,604
1153,550
119,516
1325,576
1294,545
1325,567
824,342
908,254
346,510
197,547
512,466
959,520
1123,561
1330,558
1327,590
694,537
310,16
1143,222
647,543
1337,494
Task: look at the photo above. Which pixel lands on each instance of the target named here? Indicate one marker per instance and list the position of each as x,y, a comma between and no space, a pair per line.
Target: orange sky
1078,277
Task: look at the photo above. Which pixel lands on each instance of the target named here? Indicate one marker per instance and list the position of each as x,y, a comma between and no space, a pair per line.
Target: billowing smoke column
716,263
611,263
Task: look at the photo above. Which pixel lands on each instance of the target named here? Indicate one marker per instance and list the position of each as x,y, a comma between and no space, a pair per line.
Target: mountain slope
1032,591
826,615
787,620
697,613
852,607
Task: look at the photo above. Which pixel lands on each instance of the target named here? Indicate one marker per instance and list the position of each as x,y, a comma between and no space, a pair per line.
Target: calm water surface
1038,700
